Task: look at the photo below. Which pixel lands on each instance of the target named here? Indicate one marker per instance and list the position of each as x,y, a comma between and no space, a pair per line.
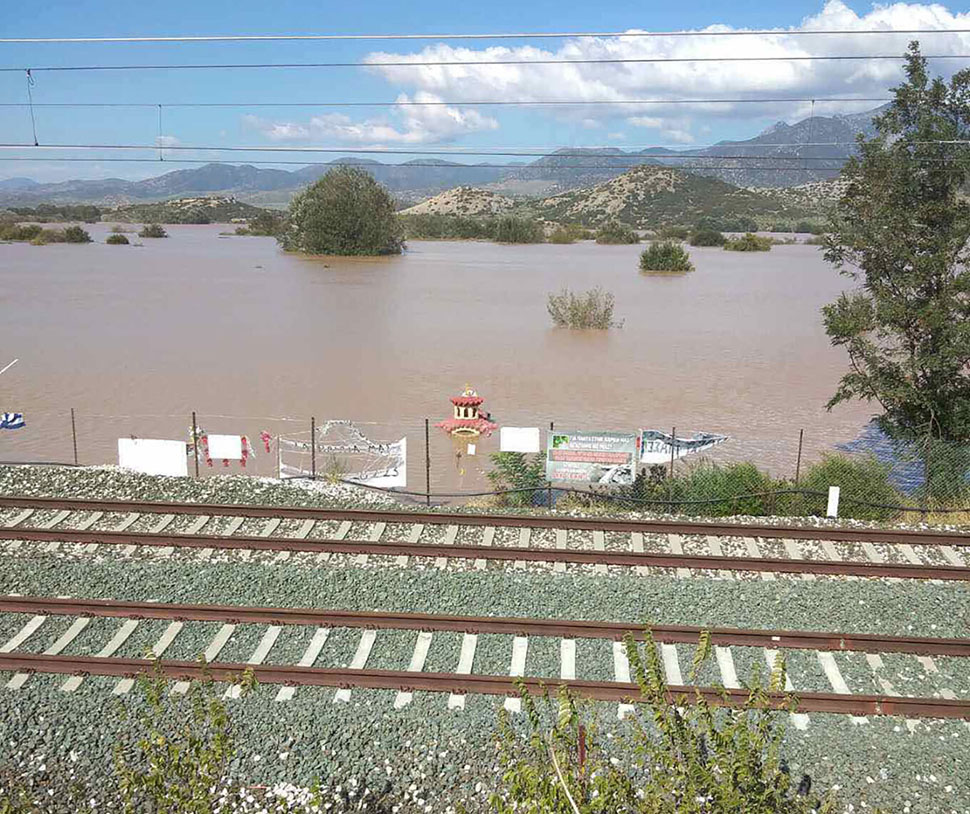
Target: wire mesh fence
790,474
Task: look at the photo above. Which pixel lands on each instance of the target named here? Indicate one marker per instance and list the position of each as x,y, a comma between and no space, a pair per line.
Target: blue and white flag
11,421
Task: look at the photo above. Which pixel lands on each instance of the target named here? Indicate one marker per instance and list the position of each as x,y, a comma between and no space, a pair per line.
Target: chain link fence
789,474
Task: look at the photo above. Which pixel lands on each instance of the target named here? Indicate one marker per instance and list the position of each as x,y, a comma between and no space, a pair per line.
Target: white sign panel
657,446
153,457
225,447
519,439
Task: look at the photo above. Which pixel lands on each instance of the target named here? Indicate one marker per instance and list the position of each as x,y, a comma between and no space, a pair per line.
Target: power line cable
488,36
465,62
471,103
336,163
535,152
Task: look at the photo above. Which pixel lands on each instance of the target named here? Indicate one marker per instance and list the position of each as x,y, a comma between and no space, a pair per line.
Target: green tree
901,230
613,233
153,230
749,242
516,470
344,213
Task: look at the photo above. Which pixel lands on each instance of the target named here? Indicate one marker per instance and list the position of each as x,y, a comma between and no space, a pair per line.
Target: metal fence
787,474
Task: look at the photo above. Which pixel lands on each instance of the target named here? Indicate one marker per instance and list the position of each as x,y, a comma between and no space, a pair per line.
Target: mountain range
824,141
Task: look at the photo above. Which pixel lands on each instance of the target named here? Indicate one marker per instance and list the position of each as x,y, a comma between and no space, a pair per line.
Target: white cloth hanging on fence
225,447
519,439
153,456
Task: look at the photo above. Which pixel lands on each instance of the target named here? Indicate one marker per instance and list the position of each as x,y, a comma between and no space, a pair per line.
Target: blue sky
457,125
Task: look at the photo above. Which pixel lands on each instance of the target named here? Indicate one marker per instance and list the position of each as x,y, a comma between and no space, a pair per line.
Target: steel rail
721,529
480,684
561,628
508,553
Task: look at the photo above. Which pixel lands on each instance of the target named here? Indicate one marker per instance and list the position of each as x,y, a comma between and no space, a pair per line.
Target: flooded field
135,338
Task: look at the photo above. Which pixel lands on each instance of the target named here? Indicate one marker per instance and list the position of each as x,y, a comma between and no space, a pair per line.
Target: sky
162,129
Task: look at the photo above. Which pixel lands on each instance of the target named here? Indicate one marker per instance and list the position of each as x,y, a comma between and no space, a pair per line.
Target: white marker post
833,507
9,366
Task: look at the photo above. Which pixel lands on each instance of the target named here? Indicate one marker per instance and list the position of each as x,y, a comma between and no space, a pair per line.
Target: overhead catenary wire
507,35
406,63
74,159
538,152
468,103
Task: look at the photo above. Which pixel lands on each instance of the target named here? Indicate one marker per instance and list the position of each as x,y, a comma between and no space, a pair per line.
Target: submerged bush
673,233
665,255
17,231
614,233
707,237
749,242
587,309
570,234
116,240
509,229
153,230
75,234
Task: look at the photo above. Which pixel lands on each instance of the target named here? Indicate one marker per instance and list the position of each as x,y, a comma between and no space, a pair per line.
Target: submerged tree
344,213
901,230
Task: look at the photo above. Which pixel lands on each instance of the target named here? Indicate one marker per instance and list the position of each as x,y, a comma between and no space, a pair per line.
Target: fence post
313,447
427,461
926,474
670,478
279,459
552,427
833,508
195,443
798,460
74,435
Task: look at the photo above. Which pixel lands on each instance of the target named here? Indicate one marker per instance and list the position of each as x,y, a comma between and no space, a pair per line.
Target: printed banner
604,458
393,470
656,446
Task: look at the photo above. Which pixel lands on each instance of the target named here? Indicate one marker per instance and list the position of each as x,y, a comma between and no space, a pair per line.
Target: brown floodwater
135,338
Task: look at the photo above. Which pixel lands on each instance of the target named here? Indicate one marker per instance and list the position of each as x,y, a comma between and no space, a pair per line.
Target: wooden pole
279,455
798,460
313,447
670,477
427,460
195,443
552,427
74,435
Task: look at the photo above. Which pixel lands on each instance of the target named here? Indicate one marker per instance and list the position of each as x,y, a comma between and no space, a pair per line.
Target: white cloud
417,124
702,80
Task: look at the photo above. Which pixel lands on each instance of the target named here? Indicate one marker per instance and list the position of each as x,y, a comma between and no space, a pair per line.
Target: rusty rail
766,531
480,684
562,628
530,554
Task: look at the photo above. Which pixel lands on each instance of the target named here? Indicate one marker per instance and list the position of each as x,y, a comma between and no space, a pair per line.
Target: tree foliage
749,242
707,237
613,233
516,470
665,255
344,213
681,756
901,231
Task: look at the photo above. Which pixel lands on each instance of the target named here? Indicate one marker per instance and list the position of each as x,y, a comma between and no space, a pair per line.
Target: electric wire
516,35
467,62
455,103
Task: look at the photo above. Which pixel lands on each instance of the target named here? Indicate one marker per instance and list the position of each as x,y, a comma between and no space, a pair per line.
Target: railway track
939,561
462,681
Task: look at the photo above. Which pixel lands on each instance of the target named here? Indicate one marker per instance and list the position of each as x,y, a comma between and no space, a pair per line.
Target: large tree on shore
901,230
346,212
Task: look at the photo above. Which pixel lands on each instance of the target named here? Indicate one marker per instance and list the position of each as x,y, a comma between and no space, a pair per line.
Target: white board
153,457
225,447
519,439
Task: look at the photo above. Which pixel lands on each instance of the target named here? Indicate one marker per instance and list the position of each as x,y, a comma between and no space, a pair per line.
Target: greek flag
11,421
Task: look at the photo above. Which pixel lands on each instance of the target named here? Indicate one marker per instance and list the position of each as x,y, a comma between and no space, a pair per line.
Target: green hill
185,210
648,196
